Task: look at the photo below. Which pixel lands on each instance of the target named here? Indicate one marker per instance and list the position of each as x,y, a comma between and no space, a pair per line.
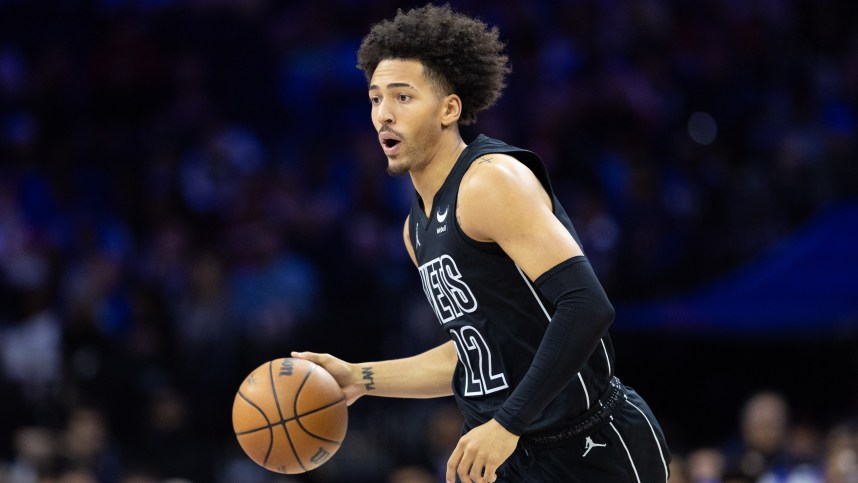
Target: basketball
290,415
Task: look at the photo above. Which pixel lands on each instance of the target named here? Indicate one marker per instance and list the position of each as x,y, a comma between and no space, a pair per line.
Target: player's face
406,112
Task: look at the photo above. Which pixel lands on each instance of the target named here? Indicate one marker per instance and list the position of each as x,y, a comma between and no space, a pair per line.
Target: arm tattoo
369,377
485,160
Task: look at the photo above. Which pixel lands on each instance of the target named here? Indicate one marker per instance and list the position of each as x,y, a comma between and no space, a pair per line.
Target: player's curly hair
460,54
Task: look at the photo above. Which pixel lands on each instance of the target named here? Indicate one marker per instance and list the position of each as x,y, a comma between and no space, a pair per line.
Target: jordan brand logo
443,216
589,444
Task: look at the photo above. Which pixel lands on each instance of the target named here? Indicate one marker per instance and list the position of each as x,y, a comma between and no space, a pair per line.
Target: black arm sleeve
582,316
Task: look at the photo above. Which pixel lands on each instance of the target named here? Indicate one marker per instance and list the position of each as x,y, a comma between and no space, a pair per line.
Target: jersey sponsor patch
448,294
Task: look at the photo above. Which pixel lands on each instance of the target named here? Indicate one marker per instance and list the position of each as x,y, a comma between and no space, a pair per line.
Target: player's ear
451,110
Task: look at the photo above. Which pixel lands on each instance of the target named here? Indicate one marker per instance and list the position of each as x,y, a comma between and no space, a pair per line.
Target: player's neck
428,180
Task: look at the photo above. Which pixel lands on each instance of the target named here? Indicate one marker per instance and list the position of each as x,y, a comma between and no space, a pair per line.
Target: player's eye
375,100
403,97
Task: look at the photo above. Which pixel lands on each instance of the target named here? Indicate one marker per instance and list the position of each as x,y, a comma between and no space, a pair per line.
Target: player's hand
343,372
480,452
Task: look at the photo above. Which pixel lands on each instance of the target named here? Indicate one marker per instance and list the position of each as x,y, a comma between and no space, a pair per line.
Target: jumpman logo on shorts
589,444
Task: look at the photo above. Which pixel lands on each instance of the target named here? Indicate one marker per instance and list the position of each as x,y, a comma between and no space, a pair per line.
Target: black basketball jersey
493,313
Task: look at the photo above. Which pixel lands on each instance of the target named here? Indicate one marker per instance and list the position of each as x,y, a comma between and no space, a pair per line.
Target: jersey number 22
481,375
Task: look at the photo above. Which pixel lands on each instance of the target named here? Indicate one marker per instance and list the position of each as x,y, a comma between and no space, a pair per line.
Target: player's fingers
327,361
473,469
453,464
489,474
310,356
464,469
475,472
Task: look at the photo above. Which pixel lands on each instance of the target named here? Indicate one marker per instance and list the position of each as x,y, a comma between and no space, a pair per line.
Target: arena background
191,188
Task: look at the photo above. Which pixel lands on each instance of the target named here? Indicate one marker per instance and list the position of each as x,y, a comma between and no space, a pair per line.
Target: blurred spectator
841,460
411,474
77,475
166,446
205,326
30,346
272,289
705,465
96,289
35,453
763,426
679,472
211,174
86,446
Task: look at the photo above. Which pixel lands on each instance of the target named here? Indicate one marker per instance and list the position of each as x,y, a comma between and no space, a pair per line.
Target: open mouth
390,143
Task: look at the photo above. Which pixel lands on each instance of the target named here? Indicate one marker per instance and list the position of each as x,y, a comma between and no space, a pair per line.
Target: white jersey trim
607,358
631,461
533,291
657,443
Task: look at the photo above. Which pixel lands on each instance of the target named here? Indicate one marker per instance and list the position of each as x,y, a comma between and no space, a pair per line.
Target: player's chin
396,168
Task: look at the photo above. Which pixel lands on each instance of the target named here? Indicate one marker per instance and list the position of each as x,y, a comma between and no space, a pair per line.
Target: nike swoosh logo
443,216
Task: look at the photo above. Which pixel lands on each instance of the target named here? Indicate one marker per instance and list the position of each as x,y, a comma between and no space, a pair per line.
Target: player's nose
383,114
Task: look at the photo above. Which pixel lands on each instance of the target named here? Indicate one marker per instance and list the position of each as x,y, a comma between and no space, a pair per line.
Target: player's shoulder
497,192
495,174
495,161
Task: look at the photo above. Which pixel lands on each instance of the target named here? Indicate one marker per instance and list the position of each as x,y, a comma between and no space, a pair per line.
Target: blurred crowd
191,188
771,447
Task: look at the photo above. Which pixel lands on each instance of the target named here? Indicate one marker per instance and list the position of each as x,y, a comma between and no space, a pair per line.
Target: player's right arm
426,375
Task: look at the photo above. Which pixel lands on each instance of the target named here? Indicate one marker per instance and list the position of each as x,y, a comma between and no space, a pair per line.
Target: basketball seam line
295,407
271,425
270,430
280,413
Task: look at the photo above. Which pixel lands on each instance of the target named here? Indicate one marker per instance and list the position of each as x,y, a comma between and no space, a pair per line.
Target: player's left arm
501,201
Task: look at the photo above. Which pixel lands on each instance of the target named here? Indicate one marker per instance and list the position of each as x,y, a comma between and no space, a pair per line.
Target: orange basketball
290,415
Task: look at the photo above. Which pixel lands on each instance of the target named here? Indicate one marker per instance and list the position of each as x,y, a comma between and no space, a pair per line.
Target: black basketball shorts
628,447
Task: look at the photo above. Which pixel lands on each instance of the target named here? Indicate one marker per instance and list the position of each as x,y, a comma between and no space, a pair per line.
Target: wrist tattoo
369,377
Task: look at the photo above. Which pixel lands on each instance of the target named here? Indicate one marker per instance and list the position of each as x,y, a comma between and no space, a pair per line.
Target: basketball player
529,356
